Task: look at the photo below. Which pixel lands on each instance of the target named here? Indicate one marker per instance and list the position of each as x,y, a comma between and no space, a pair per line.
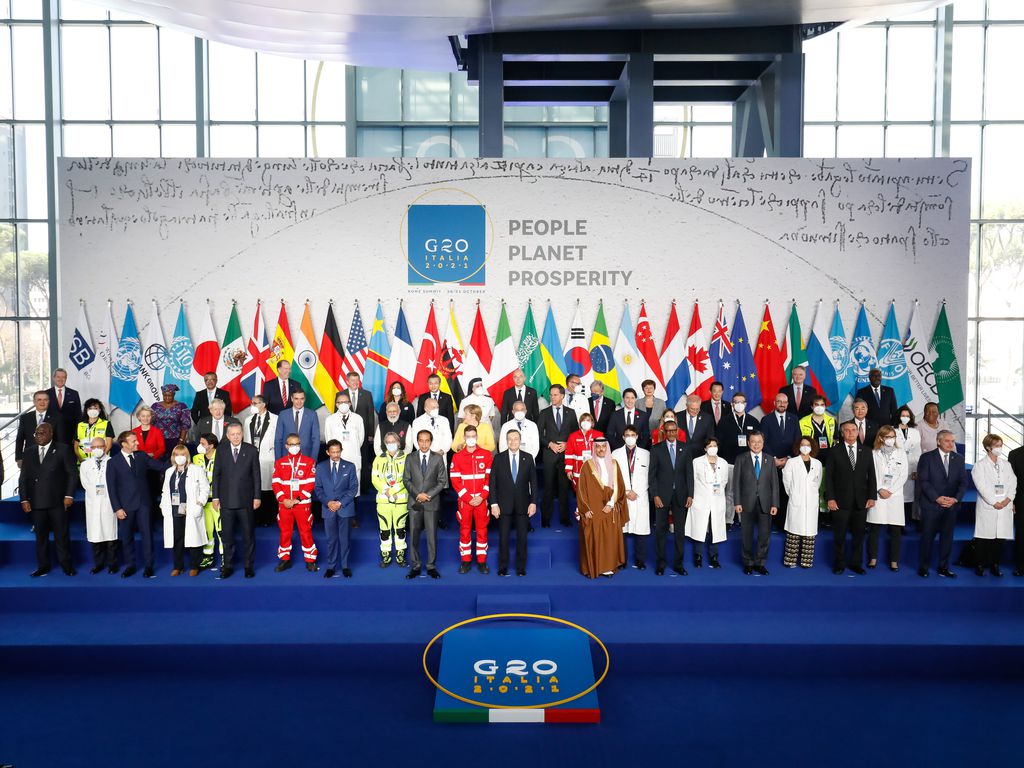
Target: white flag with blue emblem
88,372
152,362
179,359
862,352
892,361
124,373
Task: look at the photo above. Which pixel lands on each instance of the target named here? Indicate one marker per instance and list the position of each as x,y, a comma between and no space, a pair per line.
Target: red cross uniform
471,475
294,478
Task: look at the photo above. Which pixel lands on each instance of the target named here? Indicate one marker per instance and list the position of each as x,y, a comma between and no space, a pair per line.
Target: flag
530,356
232,362
793,347
207,352
577,356
551,351
771,373
125,370
402,362
453,357
306,368
106,351
628,362
478,356
819,358
332,357
947,371
892,361
649,352
862,352
152,362
429,360
281,345
840,360
746,371
920,359
376,370
504,362
256,370
673,361
355,350
723,356
90,373
697,358
602,361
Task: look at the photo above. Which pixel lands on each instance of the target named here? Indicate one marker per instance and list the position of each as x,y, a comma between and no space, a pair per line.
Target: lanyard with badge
888,478
741,424
716,485
293,484
819,430
587,452
177,481
999,488
101,479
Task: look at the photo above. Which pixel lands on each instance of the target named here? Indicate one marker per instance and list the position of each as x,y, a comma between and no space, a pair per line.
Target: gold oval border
489,617
402,224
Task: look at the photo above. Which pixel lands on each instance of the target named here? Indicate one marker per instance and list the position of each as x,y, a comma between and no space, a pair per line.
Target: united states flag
355,350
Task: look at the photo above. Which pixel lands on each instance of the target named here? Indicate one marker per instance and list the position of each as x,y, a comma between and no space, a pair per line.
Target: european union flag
743,363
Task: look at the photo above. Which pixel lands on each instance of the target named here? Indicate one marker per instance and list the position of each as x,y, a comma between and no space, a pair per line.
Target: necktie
597,409
570,398
718,412
298,418
690,431
354,397
672,453
128,457
853,456
878,395
423,465
629,418
432,425
861,430
519,395
515,468
217,428
39,418
757,466
284,393
796,393
42,454
60,397
945,463
334,472
234,454
782,421
558,419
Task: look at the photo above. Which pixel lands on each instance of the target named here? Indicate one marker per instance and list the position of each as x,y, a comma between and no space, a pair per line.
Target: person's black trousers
678,512
136,519
989,551
555,482
855,521
179,549
755,522
104,554
1018,540
55,519
245,520
895,536
639,547
505,523
943,522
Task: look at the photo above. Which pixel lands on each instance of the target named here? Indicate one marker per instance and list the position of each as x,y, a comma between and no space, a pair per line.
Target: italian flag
504,361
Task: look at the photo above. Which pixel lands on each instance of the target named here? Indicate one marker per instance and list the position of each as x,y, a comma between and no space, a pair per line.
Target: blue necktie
757,467
558,419
423,466
672,454
334,473
515,468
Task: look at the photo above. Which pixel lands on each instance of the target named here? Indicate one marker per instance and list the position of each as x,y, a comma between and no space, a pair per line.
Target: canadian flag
701,372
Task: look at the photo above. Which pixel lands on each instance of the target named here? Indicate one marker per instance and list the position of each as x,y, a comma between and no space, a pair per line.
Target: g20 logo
447,244
518,667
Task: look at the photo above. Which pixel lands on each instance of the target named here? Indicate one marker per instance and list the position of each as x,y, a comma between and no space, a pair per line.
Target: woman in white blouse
891,470
712,496
993,517
908,437
930,426
801,477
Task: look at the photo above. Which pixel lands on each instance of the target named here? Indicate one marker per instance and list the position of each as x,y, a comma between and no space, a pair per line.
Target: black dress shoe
346,572
284,565
249,573
128,572
681,571
39,572
503,571
520,572
698,560
761,570
922,572
545,525
979,570
225,573
1018,572
312,567
946,573
640,566
529,528
432,573
659,571
464,568
858,570
413,573
713,563
147,573
748,569
838,571
329,573
996,571
113,569
69,571
96,569
482,567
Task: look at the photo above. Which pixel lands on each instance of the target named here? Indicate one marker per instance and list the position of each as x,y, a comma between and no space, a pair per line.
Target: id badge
1000,490
887,480
175,499
294,485
587,454
345,436
101,490
822,443
741,441
716,488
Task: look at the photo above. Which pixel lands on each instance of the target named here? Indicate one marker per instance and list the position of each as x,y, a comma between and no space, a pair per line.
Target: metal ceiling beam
602,94
764,40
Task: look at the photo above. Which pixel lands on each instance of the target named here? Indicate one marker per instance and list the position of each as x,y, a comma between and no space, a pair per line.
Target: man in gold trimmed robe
601,511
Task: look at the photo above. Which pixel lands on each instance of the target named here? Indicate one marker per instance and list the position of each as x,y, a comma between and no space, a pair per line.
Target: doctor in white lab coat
712,497
100,520
908,437
182,501
801,477
993,516
892,467
634,463
346,426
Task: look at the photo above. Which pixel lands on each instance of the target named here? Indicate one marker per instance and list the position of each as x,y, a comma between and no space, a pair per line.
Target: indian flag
306,367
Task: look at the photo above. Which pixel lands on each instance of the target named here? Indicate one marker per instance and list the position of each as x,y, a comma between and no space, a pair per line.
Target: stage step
488,604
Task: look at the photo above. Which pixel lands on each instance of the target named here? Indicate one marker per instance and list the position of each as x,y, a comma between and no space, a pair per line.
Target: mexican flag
231,362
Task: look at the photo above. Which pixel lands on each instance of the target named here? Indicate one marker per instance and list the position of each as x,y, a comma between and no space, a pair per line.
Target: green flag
796,353
530,358
602,359
947,371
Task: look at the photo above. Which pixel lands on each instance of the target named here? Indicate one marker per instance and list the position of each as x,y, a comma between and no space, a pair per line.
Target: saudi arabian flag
307,361
602,361
531,360
947,371
796,352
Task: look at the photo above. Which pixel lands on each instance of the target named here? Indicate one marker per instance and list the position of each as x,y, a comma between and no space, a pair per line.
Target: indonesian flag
478,356
768,358
701,373
231,364
505,361
332,358
402,364
429,360
649,351
207,355
256,369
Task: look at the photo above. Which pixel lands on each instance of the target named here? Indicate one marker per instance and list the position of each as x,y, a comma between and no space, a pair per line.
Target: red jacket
575,446
153,444
471,473
293,478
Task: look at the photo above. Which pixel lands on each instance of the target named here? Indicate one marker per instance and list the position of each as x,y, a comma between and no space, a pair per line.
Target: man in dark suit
362,404
850,489
46,490
424,478
1016,459
670,487
716,407
519,391
555,424
201,404
735,429
780,428
236,493
867,427
513,497
130,498
445,403
697,425
799,393
278,391
601,407
755,488
65,404
215,422
881,400
628,416
941,484
30,420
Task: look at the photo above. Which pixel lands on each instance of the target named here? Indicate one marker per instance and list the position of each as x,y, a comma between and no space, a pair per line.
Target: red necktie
60,398
284,392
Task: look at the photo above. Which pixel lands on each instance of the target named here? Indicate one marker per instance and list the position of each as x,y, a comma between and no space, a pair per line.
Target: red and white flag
207,355
648,350
701,372
429,360
478,356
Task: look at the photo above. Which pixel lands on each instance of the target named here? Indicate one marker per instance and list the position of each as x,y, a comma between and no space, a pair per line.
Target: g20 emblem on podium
447,243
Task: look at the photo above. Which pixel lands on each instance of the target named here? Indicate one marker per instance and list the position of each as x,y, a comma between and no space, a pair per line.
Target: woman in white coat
891,471
258,430
712,496
801,477
100,520
185,492
993,517
634,463
908,437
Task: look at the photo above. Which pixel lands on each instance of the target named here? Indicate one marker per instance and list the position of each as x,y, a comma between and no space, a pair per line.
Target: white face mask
739,407
97,453
93,413
396,392
904,420
997,451
180,460
712,450
889,442
201,449
585,426
519,415
344,408
631,441
471,442
432,412
392,447
805,449
294,449
819,410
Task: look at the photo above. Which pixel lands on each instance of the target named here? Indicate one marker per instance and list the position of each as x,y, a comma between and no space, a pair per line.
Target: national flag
551,351
891,360
232,362
862,352
478,356
125,371
256,370
673,361
768,358
504,361
153,361
723,357
649,351
306,368
743,356
106,351
793,347
530,356
429,360
819,358
602,361
402,362
947,370
577,356
453,358
701,372
355,350
332,358
281,347
920,360
90,374
841,361
628,362
207,352
375,374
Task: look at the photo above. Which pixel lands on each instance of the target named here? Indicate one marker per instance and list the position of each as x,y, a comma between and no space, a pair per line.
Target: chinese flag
770,362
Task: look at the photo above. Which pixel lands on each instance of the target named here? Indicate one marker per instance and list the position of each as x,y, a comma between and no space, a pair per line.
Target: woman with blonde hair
891,470
182,502
473,415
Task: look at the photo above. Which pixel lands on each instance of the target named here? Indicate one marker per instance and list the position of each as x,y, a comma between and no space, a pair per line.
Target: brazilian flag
602,361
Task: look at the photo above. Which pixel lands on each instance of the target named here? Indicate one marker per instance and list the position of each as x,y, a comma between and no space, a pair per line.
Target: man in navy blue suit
780,428
301,421
337,486
128,489
941,482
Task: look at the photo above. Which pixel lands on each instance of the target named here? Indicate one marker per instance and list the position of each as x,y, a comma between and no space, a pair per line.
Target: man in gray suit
755,486
424,479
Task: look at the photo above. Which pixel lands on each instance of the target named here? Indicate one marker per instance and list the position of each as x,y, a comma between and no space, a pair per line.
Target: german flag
332,354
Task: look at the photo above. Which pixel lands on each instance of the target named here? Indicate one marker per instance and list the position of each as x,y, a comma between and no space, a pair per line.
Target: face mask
432,412
585,426
904,420
889,442
739,407
998,451
805,449
519,415
94,413
180,460
392,447
201,449
294,449
631,442
471,442
819,410
344,407
396,392
712,450
97,453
